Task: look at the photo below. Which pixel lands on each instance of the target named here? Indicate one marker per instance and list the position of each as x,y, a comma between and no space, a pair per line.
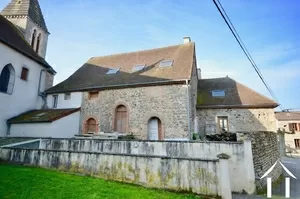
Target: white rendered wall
73,102
65,127
25,93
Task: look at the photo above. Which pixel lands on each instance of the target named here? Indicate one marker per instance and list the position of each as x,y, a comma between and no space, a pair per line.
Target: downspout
42,94
188,108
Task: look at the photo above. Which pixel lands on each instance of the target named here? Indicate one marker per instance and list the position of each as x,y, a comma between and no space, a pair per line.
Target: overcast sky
81,29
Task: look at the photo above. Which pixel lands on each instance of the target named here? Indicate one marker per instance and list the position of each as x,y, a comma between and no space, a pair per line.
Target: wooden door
121,119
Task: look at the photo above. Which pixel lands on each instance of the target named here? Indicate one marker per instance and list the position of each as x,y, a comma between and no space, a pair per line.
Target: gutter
188,107
236,106
117,86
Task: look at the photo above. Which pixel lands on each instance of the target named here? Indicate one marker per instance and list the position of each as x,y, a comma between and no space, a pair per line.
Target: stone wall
173,173
168,103
193,98
238,119
183,149
265,150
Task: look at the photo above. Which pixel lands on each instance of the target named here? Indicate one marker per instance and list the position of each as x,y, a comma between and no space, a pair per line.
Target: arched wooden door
155,129
121,119
91,126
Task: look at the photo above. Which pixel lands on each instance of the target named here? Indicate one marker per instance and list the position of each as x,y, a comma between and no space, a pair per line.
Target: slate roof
42,115
29,8
237,95
286,116
92,75
12,37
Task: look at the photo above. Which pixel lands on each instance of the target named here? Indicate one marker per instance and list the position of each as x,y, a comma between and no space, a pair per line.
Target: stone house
290,123
149,93
224,104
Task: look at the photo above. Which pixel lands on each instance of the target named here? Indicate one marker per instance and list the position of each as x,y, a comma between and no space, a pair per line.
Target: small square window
166,63
112,71
55,100
93,95
223,123
24,73
67,96
218,93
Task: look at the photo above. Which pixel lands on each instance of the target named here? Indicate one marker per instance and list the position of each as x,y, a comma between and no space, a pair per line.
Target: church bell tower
27,16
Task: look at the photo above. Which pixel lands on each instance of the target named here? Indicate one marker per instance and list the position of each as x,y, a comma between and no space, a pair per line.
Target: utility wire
243,47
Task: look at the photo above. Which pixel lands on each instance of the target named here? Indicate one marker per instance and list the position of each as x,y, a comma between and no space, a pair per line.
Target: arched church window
7,79
33,38
38,43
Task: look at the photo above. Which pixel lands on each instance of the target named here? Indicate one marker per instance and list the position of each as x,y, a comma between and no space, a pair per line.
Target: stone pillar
281,135
249,167
224,179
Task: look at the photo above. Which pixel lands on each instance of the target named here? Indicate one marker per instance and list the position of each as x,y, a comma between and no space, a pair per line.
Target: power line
243,47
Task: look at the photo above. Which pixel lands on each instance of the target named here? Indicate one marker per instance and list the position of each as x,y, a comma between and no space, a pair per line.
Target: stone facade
238,119
290,138
193,98
265,150
169,103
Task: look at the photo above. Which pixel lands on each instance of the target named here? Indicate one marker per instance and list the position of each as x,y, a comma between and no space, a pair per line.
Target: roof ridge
139,51
214,78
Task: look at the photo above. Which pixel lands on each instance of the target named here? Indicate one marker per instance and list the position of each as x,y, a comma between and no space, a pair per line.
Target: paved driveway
293,164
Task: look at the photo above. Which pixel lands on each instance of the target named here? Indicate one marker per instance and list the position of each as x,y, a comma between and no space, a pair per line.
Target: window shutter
290,126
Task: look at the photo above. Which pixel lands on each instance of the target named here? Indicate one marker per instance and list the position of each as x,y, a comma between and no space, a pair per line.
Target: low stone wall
265,150
182,149
180,174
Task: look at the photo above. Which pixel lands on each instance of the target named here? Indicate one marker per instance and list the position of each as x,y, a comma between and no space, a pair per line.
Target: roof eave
237,106
119,86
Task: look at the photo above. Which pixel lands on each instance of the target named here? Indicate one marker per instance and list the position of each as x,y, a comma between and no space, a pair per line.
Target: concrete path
293,164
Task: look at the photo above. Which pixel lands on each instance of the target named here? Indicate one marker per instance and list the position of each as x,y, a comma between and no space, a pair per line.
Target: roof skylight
112,71
218,93
166,63
138,67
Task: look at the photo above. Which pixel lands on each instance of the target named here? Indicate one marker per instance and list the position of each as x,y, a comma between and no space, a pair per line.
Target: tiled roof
286,116
12,37
42,115
29,8
93,73
237,95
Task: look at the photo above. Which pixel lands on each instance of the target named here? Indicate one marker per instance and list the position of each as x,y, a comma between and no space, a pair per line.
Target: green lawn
28,182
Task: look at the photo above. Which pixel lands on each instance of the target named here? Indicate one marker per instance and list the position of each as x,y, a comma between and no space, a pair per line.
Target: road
293,165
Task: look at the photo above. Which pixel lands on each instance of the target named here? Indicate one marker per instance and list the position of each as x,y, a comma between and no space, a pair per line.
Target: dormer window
166,63
138,67
218,93
113,71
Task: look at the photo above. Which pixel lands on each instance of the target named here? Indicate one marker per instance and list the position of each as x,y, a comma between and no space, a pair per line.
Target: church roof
93,74
29,8
12,37
227,93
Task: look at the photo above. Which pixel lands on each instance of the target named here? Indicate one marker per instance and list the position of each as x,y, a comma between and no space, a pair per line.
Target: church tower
27,16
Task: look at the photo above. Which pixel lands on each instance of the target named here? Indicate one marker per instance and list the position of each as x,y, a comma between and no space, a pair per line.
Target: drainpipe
188,107
42,94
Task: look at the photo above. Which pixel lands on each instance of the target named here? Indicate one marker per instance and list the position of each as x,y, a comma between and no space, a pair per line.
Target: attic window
138,67
166,63
112,71
218,93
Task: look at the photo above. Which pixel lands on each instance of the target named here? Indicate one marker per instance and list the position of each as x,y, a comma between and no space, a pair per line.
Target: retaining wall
182,149
179,174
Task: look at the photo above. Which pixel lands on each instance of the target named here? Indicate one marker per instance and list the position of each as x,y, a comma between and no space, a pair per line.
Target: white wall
73,102
65,127
25,93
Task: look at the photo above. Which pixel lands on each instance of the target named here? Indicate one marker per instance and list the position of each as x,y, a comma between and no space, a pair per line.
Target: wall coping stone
116,154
